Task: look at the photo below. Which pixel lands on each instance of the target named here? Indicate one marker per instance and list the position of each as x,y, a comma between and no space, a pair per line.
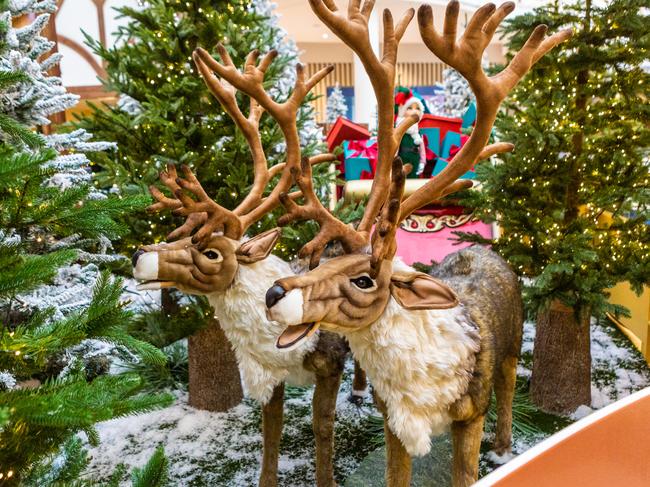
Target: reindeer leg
324,412
359,384
466,438
504,389
398,461
272,414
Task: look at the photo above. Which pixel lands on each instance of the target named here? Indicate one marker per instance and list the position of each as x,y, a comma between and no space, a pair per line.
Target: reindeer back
489,289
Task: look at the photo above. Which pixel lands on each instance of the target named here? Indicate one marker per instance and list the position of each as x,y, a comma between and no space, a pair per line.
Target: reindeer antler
225,93
193,220
383,242
330,227
250,81
204,211
465,56
352,29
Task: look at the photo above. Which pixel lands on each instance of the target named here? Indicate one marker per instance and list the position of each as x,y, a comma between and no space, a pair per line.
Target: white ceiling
297,18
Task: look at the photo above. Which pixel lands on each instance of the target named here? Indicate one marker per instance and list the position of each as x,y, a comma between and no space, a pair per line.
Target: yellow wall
637,328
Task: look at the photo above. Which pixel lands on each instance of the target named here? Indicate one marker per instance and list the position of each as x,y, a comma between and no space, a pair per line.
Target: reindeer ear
259,247
415,290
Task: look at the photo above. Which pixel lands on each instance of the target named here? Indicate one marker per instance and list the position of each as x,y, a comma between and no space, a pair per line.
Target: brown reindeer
234,272
434,349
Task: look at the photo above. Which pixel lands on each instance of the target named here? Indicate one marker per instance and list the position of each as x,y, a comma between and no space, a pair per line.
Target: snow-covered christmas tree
56,307
336,105
458,94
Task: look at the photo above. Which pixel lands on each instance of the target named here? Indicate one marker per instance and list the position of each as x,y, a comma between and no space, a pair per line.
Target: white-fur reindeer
434,349
234,272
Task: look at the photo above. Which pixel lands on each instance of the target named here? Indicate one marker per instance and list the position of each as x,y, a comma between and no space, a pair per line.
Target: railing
408,74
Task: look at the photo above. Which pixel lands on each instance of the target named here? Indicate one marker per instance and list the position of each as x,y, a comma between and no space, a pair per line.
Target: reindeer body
419,365
234,276
425,364
242,314
434,348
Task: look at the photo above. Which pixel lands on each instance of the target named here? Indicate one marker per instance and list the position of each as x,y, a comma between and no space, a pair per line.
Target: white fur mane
241,313
420,363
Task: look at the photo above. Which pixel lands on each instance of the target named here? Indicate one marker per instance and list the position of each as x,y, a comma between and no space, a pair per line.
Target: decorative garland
433,223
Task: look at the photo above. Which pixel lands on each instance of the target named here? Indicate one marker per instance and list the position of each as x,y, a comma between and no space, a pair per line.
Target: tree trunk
214,376
561,379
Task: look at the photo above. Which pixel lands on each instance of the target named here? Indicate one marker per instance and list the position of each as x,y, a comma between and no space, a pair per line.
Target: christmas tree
457,95
572,199
58,312
336,105
167,115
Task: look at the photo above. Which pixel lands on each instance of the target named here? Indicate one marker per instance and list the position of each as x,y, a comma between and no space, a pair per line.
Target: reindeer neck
245,296
241,311
420,363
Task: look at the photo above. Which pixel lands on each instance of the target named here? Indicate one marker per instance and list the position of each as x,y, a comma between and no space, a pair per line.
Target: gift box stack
427,234
442,135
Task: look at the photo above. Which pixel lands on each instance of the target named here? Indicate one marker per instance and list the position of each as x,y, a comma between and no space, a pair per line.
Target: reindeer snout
145,265
273,295
136,256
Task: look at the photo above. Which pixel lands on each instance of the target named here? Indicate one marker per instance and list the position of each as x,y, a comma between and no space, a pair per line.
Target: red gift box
342,130
445,124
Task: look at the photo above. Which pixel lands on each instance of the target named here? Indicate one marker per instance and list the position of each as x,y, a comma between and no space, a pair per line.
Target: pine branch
29,345
17,133
43,417
154,473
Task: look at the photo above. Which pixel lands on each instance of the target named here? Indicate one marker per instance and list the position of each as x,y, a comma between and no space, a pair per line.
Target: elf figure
412,150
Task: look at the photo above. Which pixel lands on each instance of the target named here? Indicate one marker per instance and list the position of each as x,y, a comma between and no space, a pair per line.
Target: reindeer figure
434,349
234,273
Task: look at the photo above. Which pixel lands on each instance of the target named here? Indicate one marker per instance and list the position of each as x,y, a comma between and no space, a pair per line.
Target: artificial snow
206,448
7,380
225,448
582,412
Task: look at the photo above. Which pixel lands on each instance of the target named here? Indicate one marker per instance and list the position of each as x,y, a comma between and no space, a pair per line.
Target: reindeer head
350,292
208,261
203,268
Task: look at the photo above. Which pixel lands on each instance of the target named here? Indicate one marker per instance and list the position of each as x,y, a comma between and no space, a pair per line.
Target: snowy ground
224,449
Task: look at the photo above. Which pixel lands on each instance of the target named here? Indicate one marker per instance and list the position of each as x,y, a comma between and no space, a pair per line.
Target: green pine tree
572,199
167,115
52,221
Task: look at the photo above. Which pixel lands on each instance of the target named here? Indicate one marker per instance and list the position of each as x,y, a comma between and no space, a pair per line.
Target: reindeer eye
363,282
211,254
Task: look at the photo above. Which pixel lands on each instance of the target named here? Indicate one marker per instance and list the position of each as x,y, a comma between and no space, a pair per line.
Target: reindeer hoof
357,398
500,458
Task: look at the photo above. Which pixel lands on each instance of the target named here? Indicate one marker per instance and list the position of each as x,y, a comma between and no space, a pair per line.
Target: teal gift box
359,158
